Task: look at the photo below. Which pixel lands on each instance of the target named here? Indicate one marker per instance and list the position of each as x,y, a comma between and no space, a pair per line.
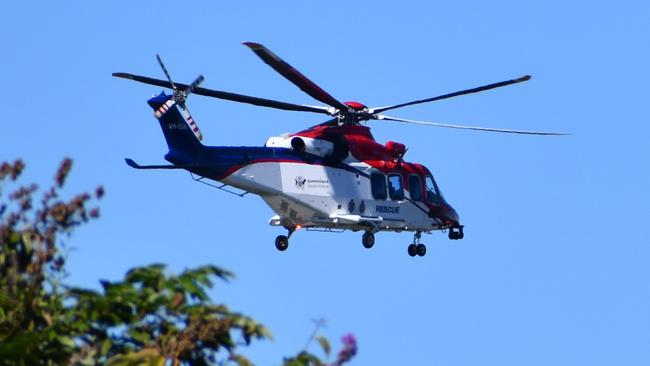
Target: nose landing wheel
417,248
456,232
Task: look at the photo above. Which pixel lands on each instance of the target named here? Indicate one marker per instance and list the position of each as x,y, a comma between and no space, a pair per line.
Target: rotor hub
356,106
356,112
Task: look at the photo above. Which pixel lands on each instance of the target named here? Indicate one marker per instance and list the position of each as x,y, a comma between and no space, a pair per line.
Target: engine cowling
303,144
396,149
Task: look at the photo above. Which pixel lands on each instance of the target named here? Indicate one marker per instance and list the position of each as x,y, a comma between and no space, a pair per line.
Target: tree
148,318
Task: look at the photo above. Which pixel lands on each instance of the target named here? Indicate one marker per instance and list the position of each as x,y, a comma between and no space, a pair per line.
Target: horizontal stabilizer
135,165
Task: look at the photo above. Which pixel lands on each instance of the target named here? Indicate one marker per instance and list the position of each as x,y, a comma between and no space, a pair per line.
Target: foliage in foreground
148,318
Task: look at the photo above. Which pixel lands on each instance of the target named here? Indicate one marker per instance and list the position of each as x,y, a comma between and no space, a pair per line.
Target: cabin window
433,194
415,188
378,185
395,188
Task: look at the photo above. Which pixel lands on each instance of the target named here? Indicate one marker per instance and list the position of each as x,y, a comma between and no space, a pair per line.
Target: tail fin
180,130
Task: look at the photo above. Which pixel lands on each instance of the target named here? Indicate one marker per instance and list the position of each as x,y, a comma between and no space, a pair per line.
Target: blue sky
554,265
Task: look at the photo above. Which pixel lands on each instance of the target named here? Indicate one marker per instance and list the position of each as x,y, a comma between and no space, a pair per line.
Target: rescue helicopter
332,176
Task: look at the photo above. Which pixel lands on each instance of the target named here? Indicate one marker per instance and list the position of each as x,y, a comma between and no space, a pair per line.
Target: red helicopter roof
362,146
355,105
326,131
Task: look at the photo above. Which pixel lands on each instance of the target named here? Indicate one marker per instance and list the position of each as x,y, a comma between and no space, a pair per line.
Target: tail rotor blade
162,65
488,129
190,88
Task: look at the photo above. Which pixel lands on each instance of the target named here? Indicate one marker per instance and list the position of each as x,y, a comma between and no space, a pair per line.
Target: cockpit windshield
433,193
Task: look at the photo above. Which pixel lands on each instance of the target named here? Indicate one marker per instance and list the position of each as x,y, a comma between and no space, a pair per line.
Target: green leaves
144,357
171,314
151,276
151,317
303,359
34,322
324,344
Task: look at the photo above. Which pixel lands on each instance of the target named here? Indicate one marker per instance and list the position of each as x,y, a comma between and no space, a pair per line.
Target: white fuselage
311,195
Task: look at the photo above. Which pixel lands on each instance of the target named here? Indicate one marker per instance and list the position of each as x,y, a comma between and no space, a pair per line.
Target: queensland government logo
300,182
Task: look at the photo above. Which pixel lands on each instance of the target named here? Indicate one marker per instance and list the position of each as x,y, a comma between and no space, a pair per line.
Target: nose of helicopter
449,214
445,213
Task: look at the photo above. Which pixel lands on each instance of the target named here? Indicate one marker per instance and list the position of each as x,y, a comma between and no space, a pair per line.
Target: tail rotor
175,138
180,96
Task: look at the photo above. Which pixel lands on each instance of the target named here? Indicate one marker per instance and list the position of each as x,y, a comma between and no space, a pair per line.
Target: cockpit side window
415,187
378,186
395,187
433,193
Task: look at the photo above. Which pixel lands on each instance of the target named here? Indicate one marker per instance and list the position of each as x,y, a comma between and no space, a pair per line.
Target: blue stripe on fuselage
216,162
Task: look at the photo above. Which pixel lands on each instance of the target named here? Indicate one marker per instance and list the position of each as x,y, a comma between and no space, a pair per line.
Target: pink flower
349,349
349,341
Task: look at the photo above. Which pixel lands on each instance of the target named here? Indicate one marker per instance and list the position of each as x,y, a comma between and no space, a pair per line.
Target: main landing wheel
282,243
368,239
413,250
417,249
421,249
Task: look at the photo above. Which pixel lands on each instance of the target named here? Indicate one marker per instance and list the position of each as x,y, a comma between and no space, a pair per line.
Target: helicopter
332,176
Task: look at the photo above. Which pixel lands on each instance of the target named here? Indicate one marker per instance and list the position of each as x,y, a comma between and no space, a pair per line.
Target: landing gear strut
368,239
456,232
417,248
282,241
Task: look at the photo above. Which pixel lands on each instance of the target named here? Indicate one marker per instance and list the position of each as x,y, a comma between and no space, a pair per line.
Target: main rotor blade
293,75
228,96
455,94
403,120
